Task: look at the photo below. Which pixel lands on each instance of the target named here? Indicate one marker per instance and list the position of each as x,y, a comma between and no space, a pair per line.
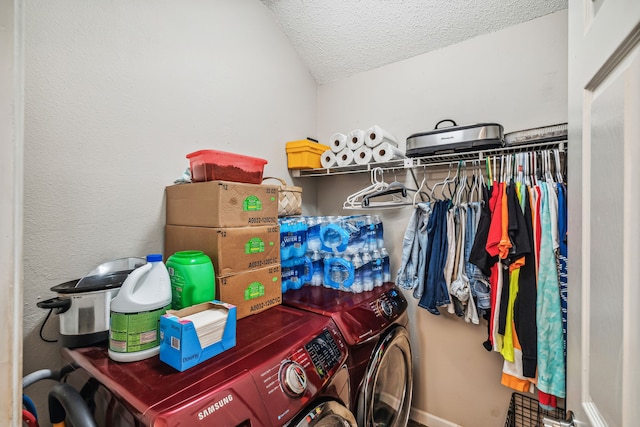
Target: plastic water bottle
333,236
145,295
357,286
367,273
286,237
300,242
326,260
376,268
293,273
386,265
316,269
377,222
353,230
371,242
338,272
313,233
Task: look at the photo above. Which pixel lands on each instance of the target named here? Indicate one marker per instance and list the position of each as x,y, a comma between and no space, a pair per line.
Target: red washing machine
288,368
374,326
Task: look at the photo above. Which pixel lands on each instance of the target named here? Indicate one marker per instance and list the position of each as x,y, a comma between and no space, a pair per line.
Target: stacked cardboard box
236,225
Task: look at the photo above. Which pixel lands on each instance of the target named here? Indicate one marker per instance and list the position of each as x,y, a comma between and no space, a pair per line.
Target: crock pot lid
93,283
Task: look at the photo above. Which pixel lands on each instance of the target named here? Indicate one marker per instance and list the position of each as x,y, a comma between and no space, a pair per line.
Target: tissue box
179,343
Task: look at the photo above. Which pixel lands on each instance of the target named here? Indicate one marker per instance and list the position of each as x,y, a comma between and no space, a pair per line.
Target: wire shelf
525,411
431,160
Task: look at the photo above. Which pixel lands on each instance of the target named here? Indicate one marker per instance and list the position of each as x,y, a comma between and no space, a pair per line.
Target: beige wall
117,93
516,77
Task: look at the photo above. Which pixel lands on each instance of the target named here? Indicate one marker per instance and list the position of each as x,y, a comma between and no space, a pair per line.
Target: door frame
11,208
597,47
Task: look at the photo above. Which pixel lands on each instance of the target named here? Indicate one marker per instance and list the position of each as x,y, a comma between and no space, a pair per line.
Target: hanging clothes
562,259
551,369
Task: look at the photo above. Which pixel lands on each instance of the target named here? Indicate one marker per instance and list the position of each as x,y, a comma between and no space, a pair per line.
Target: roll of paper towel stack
338,142
355,139
375,136
328,159
363,155
345,157
386,152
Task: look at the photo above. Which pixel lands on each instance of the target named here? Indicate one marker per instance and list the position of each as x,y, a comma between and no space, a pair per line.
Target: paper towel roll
338,142
386,152
345,157
363,155
355,139
328,159
375,136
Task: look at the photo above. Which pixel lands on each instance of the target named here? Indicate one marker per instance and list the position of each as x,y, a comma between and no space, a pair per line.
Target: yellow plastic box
304,154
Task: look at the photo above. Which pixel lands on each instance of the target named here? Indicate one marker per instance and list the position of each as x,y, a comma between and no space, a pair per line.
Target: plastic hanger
423,186
354,201
556,155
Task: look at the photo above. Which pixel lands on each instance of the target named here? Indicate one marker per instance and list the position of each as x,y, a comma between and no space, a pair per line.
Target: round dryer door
385,398
325,414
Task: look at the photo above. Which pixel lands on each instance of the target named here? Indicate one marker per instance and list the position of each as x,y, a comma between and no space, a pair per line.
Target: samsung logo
216,406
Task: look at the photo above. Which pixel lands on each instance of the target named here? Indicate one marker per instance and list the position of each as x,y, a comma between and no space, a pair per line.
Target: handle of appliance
66,402
46,374
60,304
453,123
318,414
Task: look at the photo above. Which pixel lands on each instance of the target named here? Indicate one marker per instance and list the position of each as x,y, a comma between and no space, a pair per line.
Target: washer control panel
293,378
324,353
390,304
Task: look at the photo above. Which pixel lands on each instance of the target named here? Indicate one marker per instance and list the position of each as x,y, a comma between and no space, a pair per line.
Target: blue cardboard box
179,343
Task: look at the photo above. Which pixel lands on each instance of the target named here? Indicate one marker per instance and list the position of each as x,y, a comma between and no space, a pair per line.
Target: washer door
385,397
325,414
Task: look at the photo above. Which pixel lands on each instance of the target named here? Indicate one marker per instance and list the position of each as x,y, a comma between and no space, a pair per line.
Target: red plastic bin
214,165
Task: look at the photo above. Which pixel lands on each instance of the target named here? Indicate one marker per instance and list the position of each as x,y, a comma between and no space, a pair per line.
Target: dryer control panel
391,304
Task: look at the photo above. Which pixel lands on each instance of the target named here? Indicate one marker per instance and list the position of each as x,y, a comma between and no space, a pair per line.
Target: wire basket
525,411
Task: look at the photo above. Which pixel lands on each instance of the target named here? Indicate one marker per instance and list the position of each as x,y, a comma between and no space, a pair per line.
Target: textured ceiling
339,38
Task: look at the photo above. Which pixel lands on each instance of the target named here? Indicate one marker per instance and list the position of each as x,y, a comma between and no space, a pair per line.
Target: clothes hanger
396,189
440,183
354,201
423,186
556,155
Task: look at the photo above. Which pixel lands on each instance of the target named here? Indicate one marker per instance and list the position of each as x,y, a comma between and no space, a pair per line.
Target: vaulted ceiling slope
339,38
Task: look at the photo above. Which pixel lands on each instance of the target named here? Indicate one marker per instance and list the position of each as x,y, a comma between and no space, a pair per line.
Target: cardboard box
231,249
251,291
179,343
221,204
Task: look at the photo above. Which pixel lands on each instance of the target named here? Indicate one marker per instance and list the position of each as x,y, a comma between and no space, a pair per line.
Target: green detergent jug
192,279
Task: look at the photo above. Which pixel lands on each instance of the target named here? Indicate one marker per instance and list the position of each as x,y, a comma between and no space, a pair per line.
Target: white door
603,384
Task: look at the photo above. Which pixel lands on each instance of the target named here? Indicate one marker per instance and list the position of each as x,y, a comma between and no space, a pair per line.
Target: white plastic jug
134,331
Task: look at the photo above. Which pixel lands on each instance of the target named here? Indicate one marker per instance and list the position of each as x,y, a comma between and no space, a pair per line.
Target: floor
414,424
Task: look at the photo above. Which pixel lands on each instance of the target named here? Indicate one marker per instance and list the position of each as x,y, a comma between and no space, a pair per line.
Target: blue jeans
413,246
435,292
479,283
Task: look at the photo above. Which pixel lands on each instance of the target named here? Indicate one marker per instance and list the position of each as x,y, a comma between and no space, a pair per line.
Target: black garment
524,309
520,241
520,246
478,255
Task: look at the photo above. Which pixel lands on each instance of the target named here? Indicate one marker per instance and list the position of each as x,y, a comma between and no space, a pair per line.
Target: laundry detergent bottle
134,332
192,279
